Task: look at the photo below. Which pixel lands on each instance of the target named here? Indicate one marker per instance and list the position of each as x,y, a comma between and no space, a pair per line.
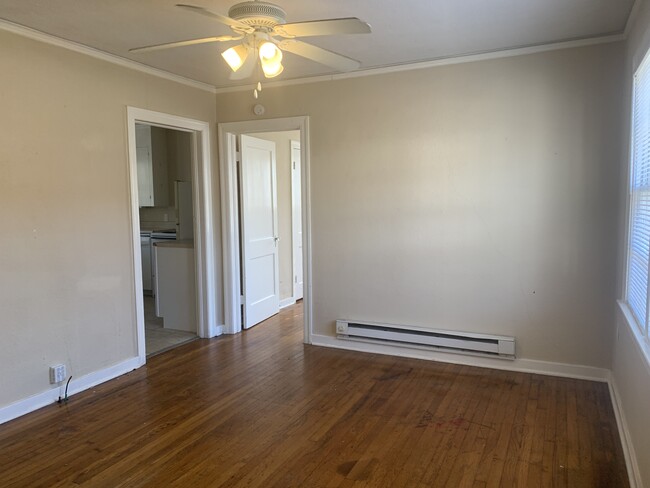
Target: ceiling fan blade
235,24
190,42
327,27
320,55
246,69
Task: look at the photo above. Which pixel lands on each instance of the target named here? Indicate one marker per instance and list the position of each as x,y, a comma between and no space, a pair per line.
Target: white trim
629,453
135,237
295,194
227,135
36,35
287,302
232,297
639,339
48,397
203,217
520,365
467,58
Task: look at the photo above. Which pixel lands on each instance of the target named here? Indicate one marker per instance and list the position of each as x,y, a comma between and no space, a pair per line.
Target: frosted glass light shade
235,56
271,60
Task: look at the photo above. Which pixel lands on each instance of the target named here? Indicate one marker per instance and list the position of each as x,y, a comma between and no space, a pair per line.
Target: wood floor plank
261,409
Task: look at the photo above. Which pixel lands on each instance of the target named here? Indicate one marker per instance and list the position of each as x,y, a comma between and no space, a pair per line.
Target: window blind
639,241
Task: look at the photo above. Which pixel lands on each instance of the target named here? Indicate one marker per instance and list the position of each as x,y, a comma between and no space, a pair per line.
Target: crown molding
631,18
467,58
36,35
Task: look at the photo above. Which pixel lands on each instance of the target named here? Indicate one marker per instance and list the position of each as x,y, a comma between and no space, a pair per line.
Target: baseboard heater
418,337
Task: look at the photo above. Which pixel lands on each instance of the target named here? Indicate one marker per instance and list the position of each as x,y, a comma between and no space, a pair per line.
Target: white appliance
158,236
145,257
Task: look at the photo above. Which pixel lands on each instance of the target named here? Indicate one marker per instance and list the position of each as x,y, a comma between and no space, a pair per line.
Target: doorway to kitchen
164,159
171,212
252,233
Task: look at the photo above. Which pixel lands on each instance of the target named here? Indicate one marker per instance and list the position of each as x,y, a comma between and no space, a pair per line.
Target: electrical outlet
57,373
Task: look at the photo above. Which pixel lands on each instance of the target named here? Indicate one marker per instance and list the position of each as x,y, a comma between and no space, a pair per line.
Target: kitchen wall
158,218
172,159
478,197
631,360
283,173
67,289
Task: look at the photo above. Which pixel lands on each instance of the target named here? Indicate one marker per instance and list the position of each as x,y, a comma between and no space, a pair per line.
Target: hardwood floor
260,409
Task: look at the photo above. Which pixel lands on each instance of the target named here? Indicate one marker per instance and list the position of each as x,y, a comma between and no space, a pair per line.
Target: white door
260,271
296,218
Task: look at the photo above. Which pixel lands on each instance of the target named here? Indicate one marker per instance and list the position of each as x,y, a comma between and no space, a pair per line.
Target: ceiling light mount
258,14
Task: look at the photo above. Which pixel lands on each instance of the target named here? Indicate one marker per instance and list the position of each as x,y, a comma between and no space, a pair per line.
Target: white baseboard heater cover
418,337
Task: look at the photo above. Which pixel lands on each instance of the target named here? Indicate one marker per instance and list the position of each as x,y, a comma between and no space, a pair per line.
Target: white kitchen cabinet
176,284
151,157
144,164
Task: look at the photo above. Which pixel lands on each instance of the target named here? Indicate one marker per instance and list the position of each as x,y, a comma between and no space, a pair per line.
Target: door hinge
294,165
238,156
242,300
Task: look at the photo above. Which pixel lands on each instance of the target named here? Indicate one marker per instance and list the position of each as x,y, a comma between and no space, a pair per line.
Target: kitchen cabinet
175,282
151,158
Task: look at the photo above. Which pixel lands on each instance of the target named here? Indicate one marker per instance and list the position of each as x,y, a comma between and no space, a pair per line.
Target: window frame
641,331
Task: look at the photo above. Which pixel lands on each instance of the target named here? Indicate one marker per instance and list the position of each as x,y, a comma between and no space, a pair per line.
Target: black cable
65,398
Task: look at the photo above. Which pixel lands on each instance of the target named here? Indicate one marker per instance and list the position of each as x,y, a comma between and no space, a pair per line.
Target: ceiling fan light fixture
271,60
272,70
235,56
261,26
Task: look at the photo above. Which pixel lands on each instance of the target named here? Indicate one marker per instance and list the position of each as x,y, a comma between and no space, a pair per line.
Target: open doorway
268,174
164,160
171,214
294,132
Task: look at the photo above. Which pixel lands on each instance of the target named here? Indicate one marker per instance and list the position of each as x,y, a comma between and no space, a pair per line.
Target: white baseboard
624,432
48,397
287,302
522,365
215,331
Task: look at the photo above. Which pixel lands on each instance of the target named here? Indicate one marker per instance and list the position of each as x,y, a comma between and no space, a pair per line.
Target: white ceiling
404,31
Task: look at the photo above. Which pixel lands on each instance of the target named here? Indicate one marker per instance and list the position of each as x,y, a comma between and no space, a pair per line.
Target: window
638,258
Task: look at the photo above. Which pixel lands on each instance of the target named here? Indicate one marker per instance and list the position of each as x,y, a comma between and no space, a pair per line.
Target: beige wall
630,368
67,292
479,197
283,171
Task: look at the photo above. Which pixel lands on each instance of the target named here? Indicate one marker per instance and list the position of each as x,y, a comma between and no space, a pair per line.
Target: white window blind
639,223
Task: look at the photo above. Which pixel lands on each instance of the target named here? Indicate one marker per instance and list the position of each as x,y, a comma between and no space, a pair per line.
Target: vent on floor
421,338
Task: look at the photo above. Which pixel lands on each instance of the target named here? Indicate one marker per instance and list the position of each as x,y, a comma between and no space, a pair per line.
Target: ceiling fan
262,29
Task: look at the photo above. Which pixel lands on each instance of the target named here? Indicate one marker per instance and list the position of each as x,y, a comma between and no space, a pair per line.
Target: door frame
202,204
295,190
227,140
